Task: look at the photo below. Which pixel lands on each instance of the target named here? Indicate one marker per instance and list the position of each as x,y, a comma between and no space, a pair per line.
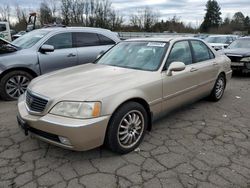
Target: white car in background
220,42
5,31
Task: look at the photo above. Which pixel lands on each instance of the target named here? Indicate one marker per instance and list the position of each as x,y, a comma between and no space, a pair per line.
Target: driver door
63,56
181,87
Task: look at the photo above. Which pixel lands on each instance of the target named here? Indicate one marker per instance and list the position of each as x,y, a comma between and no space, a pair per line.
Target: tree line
100,13
213,22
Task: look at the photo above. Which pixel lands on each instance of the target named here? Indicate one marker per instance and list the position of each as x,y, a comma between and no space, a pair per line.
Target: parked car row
220,42
239,53
114,100
235,47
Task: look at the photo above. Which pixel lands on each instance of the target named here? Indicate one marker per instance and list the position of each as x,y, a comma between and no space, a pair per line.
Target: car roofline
156,39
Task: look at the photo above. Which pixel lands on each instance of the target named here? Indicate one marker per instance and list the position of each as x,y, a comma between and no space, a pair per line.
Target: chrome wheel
219,88
16,85
130,129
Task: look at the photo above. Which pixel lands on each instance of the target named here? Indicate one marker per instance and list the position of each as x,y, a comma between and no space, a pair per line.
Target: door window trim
54,34
183,40
208,49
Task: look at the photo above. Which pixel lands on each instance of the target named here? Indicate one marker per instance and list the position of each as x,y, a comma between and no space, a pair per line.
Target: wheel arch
30,71
142,102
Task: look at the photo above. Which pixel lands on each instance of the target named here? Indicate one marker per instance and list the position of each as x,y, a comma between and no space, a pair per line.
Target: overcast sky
187,10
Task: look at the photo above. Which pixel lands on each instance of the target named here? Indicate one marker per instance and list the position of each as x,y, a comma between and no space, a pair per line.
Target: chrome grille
35,103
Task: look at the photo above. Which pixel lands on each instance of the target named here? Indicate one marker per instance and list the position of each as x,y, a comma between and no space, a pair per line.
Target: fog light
64,140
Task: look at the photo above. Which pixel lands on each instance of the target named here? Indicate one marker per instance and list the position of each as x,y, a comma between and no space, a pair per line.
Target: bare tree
22,17
5,12
45,13
116,20
53,5
144,19
65,10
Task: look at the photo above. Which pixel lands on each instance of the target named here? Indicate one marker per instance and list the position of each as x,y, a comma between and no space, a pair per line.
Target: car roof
155,39
90,29
106,32
221,35
248,37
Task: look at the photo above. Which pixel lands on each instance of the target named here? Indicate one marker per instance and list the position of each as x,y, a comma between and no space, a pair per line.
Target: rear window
85,39
201,51
105,40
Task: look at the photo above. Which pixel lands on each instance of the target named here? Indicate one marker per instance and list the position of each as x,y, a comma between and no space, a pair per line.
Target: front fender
111,103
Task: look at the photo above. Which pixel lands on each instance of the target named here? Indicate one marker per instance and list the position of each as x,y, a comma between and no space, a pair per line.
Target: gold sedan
116,99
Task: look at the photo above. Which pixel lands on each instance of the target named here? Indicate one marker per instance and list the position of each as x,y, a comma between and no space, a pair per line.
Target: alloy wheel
219,88
130,129
16,85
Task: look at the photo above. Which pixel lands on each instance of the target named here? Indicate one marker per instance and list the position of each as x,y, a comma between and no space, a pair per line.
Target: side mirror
47,48
100,54
175,67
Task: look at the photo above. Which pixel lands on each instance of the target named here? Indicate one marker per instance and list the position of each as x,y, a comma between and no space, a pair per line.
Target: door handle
71,55
193,69
215,64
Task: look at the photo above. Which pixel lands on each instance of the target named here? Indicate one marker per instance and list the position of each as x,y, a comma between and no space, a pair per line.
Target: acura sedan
115,100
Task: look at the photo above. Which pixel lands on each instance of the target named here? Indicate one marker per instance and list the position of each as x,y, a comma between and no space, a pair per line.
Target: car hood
87,82
244,52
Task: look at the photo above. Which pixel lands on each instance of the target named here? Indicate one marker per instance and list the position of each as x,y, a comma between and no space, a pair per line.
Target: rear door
90,45
64,55
205,64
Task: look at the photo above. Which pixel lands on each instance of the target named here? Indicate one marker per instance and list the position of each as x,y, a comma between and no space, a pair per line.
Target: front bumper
240,65
82,134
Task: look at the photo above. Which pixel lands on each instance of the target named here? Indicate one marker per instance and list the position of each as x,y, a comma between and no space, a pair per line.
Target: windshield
30,39
216,40
136,55
241,43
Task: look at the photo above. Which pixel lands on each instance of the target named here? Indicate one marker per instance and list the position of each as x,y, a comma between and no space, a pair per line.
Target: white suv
5,31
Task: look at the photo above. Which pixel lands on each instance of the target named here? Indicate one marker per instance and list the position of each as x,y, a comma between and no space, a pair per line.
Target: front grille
235,58
35,103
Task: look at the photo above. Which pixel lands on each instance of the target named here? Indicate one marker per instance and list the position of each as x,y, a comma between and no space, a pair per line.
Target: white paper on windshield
156,44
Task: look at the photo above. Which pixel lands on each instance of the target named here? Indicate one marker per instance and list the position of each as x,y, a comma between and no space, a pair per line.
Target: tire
130,122
219,88
14,84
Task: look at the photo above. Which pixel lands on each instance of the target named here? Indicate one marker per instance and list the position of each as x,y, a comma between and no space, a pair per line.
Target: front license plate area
23,125
236,64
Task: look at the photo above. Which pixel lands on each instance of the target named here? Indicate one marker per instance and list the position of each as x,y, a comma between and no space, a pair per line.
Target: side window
86,39
201,51
180,52
61,41
105,40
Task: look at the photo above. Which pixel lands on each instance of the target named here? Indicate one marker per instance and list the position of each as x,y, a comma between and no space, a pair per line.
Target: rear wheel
219,88
14,84
127,128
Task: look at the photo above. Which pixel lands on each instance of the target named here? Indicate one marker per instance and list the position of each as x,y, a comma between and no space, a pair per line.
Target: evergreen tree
238,21
212,18
247,24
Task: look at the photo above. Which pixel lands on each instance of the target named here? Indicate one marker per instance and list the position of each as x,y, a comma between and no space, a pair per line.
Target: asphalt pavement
203,145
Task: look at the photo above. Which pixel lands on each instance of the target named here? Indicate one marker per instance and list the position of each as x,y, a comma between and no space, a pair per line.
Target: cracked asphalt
203,145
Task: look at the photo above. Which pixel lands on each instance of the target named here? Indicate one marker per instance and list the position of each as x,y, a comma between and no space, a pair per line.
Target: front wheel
14,84
219,88
127,128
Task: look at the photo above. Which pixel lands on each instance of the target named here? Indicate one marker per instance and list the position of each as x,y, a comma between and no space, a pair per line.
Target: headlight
245,59
79,110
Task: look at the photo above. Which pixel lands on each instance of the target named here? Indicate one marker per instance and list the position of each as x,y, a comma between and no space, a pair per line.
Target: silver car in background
220,42
45,50
115,99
